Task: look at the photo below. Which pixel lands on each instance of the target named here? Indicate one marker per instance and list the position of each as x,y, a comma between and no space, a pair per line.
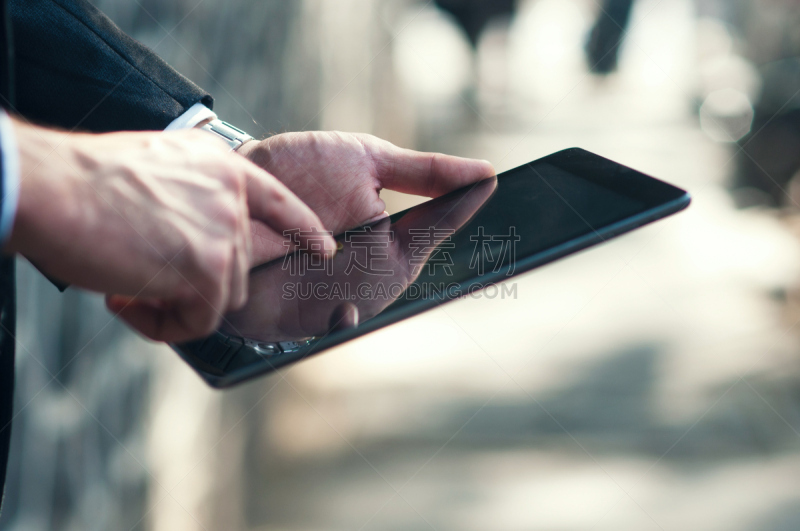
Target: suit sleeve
76,69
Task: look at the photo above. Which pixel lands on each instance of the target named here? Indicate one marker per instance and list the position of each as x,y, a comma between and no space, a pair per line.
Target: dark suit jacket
64,63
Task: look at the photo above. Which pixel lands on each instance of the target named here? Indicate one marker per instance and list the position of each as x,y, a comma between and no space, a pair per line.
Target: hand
340,176
160,220
275,313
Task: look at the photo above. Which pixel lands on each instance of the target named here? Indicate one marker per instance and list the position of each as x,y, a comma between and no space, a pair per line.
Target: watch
234,136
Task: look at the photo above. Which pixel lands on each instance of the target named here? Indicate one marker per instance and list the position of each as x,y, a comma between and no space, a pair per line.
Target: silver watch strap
234,136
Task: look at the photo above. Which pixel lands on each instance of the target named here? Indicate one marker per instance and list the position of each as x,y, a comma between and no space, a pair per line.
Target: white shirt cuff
196,114
11,176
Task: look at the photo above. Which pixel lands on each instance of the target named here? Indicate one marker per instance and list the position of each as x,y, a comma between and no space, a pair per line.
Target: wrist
46,188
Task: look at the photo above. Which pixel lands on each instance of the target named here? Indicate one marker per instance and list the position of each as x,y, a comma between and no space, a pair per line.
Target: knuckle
230,177
229,214
238,178
277,195
365,138
218,262
211,267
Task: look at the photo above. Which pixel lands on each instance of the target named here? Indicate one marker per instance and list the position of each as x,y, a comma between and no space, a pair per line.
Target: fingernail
331,247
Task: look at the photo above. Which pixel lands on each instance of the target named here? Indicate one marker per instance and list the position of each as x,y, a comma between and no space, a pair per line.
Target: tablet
472,239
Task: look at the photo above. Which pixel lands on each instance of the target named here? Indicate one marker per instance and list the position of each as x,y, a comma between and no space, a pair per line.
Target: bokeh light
726,115
432,56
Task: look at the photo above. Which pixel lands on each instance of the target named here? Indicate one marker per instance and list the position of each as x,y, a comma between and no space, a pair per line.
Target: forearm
76,69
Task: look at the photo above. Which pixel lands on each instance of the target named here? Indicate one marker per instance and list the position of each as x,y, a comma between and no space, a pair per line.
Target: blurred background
651,383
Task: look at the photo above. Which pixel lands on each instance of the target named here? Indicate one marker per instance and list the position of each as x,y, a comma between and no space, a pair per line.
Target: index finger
270,201
427,174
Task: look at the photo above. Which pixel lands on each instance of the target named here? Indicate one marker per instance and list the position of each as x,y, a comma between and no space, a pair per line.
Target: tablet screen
537,207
